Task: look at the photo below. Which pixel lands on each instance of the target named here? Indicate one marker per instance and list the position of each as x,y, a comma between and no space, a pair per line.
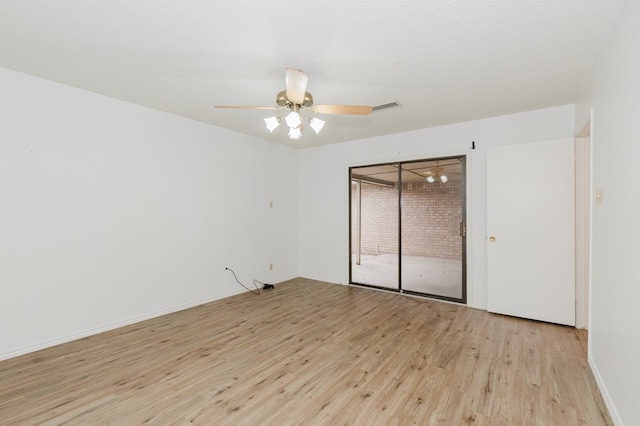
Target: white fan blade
296,85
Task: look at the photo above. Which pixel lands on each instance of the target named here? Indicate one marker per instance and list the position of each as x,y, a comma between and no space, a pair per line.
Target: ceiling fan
295,98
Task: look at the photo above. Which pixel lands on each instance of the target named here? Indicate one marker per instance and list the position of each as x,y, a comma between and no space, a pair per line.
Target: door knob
492,238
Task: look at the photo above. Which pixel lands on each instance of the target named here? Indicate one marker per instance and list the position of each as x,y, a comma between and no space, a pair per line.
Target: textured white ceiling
444,61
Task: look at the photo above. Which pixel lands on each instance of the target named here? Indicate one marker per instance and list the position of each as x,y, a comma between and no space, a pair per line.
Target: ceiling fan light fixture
272,123
295,132
444,178
316,124
431,179
293,118
294,98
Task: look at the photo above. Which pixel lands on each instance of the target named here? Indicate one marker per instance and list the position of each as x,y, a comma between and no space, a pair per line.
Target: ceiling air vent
385,106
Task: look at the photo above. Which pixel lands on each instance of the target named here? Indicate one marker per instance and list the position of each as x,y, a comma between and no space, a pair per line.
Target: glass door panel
432,216
374,226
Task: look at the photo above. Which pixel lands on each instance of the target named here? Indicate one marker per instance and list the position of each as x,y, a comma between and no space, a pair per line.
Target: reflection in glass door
408,227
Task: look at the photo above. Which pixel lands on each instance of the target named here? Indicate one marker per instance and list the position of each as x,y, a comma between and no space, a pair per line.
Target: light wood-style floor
311,353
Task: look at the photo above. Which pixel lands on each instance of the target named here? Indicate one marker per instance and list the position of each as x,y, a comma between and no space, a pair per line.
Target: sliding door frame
463,228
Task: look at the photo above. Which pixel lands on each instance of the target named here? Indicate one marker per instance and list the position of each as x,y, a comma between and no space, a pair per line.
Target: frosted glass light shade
293,119
316,124
295,133
272,123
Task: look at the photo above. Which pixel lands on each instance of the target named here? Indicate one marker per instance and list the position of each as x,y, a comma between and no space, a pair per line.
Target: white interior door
530,222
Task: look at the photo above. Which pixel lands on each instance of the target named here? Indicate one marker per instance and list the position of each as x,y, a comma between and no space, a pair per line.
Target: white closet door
531,232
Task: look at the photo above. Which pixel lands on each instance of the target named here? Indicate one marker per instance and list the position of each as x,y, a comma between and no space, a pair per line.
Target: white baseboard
605,394
118,324
283,279
324,280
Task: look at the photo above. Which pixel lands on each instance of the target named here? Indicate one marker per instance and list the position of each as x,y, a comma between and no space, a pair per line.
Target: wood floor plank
309,352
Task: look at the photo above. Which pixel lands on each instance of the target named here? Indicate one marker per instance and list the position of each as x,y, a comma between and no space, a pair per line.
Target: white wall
111,212
613,91
324,184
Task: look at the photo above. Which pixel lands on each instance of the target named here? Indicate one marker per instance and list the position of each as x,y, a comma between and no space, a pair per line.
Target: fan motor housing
283,102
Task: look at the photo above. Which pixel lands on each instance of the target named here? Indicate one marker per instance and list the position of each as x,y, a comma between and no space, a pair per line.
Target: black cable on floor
256,291
265,286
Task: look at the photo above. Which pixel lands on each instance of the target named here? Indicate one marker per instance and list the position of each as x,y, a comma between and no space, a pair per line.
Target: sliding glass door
408,227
